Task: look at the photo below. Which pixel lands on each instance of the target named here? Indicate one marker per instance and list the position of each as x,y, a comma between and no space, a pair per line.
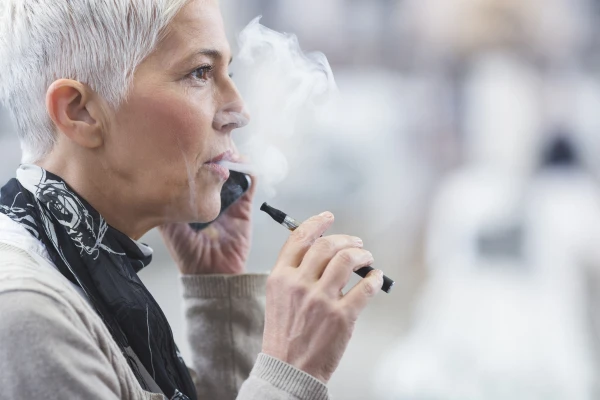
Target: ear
76,112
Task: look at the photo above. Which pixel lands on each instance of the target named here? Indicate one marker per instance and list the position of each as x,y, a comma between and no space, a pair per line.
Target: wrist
316,373
212,270
223,286
289,378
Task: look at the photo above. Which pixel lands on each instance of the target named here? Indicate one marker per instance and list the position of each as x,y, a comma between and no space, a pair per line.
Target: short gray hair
96,42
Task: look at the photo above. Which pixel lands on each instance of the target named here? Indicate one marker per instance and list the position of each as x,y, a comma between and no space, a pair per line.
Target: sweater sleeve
225,322
45,353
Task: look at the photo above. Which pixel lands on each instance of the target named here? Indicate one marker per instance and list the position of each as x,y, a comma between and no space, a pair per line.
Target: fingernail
358,241
326,214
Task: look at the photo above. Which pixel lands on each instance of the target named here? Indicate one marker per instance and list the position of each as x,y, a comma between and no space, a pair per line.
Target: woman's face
177,118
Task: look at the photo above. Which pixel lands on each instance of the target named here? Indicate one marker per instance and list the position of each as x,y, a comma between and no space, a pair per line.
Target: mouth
225,156
218,169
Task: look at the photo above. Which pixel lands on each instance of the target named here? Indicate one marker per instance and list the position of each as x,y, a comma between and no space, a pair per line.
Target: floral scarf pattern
104,263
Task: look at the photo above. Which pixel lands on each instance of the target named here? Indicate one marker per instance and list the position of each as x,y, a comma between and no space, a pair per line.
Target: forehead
199,25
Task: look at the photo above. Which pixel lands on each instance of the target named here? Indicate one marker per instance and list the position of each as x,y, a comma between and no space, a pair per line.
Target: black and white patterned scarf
104,263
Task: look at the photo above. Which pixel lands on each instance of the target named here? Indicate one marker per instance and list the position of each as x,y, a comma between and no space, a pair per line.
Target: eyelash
203,71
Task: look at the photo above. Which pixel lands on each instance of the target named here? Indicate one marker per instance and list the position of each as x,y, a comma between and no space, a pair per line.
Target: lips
225,156
219,170
215,166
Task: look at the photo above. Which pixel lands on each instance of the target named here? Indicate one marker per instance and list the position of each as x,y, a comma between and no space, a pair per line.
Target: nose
231,116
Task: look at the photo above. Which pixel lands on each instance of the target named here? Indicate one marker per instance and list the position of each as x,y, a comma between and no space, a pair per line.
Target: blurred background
465,151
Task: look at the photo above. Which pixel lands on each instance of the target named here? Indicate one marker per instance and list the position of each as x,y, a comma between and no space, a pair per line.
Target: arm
308,321
45,352
225,322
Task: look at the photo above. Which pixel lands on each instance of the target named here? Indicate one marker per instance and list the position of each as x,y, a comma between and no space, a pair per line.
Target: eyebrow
212,53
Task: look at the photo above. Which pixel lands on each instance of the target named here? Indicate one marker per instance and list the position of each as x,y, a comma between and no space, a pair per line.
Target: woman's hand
308,320
221,248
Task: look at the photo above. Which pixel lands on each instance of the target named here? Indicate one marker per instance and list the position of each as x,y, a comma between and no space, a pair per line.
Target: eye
201,73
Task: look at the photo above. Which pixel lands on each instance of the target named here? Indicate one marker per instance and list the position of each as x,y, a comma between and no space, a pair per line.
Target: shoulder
36,320
51,341
26,267
38,305
34,293
25,314
46,350
53,344
40,312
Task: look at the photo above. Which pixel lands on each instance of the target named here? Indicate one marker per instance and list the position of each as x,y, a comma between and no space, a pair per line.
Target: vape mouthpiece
277,215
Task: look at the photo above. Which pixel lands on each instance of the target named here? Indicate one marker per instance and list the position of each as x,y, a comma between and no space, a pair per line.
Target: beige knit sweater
54,346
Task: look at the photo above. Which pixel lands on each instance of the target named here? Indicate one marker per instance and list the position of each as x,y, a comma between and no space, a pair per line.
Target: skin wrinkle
191,175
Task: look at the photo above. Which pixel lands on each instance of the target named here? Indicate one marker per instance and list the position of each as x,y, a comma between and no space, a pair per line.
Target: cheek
158,145
162,130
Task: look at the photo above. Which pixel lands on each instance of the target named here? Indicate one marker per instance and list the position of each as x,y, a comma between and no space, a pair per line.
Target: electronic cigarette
291,224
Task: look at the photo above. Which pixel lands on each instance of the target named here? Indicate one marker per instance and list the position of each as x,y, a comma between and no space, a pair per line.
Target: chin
207,209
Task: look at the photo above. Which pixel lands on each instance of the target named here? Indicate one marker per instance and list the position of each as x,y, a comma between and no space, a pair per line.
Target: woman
124,108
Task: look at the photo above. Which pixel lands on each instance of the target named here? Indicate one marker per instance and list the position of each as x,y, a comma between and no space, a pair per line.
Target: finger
358,297
323,251
302,238
337,274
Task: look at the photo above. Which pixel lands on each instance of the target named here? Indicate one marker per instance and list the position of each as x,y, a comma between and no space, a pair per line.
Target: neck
112,194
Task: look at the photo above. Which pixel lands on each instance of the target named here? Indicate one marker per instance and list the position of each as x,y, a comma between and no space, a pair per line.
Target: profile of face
178,116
